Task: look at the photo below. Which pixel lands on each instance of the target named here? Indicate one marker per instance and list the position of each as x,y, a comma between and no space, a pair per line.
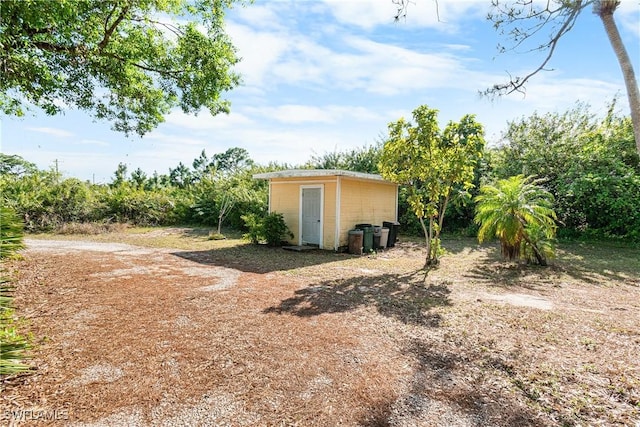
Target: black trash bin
377,235
367,239
394,227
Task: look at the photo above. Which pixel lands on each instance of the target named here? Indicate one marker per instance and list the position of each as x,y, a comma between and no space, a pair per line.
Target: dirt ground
134,336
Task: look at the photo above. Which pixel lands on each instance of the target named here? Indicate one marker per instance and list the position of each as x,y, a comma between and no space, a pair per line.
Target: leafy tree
364,159
120,175
589,164
201,165
180,176
15,165
522,20
518,212
123,61
156,181
434,165
600,188
138,177
328,160
231,161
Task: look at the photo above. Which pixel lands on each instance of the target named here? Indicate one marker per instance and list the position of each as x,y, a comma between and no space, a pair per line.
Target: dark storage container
355,242
377,235
393,227
367,238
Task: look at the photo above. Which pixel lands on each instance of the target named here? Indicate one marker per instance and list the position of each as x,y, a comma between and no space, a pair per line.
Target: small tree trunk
439,229
427,236
606,15
541,260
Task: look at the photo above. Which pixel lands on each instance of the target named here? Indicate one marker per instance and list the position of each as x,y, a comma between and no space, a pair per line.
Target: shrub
270,229
519,212
275,229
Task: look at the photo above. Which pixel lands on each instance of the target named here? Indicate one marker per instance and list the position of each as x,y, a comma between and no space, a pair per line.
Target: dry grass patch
179,329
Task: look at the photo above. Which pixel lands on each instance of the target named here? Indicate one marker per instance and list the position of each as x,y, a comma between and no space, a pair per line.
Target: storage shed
320,206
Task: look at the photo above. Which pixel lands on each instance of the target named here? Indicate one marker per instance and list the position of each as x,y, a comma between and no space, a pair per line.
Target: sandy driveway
132,336
138,336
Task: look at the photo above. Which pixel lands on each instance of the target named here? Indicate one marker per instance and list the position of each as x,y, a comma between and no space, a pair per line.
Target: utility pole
56,162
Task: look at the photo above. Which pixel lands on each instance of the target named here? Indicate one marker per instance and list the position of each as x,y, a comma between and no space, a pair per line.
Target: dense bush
270,229
590,165
46,201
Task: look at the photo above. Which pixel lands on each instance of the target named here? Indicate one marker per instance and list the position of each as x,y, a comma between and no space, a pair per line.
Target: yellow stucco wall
360,201
285,199
368,202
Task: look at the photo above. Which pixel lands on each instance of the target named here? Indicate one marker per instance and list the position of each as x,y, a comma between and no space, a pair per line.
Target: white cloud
174,140
259,16
442,16
298,113
628,14
364,14
548,93
58,133
205,121
259,51
361,65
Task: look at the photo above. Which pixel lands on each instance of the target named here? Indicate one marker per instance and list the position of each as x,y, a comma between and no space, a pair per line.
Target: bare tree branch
520,35
403,5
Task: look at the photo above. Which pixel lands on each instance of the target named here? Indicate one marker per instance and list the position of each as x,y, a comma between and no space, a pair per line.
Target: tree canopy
435,165
122,61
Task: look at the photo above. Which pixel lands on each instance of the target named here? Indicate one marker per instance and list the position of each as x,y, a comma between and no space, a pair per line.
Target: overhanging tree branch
517,84
109,30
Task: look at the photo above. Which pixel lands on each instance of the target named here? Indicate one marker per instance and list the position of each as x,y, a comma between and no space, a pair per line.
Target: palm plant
12,344
11,232
519,212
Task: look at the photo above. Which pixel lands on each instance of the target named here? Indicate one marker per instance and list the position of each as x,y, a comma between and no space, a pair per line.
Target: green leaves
434,165
520,213
270,228
127,62
11,232
12,344
590,166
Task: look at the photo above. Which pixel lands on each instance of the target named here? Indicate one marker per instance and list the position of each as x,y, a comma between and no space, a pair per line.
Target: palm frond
510,209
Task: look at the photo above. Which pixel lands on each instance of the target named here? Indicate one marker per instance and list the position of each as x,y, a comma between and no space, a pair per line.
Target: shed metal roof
308,173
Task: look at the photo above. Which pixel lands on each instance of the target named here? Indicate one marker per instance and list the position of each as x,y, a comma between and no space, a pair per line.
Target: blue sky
320,76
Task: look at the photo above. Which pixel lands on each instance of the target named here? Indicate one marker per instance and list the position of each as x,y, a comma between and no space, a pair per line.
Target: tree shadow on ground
444,390
591,261
261,259
507,274
588,266
404,297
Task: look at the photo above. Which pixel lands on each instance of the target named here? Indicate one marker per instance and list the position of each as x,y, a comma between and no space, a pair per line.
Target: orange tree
434,165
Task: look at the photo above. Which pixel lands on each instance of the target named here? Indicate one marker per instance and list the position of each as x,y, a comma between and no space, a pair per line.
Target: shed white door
311,215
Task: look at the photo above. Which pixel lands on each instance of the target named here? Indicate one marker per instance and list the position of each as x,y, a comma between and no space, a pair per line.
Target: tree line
587,163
